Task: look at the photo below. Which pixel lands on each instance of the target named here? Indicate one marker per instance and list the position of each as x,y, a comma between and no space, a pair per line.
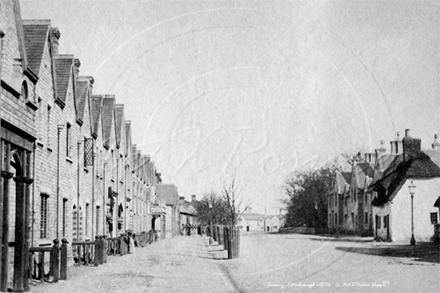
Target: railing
88,253
84,251
57,262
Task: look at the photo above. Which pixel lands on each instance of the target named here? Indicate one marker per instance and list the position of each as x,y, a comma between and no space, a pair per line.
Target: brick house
18,135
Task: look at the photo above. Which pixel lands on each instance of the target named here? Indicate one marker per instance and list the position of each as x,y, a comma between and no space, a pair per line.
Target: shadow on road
424,252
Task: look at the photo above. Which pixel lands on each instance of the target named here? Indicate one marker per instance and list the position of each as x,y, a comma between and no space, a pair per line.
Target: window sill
69,160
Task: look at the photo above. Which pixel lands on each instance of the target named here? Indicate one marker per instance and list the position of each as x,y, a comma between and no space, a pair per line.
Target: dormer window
24,91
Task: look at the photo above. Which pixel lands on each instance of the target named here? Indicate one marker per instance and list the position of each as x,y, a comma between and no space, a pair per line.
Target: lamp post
316,201
412,190
210,219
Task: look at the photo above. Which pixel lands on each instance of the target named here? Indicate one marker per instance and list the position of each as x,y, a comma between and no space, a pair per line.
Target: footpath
179,264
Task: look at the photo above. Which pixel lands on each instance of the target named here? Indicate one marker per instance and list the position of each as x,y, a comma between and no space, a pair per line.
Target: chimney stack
55,37
436,144
411,146
379,152
76,65
193,198
396,146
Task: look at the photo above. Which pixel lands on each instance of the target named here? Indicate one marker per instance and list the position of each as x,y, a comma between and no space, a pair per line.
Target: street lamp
210,219
412,190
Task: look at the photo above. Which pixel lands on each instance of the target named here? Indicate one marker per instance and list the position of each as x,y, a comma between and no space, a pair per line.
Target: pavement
179,264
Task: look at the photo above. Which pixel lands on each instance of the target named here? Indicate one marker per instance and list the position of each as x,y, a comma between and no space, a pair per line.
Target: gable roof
82,87
128,136
342,179
63,72
434,154
361,171
96,105
119,116
167,194
108,115
35,38
416,166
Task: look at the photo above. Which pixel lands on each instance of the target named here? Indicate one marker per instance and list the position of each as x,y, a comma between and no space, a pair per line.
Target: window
434,219
352,218
366,218
335,199
336,218
385,224
64,217
366,197
48,125
378,222
97,220
86,226
88,152
68,140
43,216
345,218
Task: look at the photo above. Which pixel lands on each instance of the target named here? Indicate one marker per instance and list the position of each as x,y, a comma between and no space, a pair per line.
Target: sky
255,90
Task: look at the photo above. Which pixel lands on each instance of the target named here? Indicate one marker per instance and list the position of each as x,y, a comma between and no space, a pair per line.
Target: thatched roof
417,167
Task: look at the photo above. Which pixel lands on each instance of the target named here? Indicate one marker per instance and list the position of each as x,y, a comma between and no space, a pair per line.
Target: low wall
304,230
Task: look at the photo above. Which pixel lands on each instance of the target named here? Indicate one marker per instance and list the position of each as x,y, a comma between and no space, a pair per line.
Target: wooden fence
88,253
228,238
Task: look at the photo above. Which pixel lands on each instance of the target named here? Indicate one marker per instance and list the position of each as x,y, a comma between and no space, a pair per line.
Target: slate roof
187,208
128,135
108,110
82,87
63,71
35,38
416,166
119,116
361,171
96,105
434,155
341,181
167,194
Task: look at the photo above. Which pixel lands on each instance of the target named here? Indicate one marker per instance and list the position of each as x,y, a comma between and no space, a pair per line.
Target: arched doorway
15,208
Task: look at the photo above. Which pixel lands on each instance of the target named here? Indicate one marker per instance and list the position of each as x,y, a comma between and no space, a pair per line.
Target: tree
233,202
217,213
307,202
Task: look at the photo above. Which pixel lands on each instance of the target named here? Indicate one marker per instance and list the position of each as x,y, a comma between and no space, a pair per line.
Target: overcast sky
257,88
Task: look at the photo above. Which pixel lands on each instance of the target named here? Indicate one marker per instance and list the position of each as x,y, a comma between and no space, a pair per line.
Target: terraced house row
69,168
389,195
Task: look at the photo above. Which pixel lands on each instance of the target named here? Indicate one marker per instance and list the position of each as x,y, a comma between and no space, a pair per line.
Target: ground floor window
43,216
366,218
434,219
64,217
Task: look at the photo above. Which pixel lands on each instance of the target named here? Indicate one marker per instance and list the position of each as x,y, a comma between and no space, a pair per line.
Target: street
268,263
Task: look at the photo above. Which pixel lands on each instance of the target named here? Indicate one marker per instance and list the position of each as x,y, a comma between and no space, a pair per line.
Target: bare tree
233,201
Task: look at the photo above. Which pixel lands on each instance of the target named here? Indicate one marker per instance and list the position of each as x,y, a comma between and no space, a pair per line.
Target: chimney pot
55,37
76,64
407,133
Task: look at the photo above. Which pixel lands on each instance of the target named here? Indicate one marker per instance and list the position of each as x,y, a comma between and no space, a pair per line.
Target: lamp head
412,188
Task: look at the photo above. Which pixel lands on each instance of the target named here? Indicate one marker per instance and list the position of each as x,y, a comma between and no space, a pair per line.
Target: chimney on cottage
181,199
436,144
379,152
55,37
411,146
76,65
396,146
193,198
